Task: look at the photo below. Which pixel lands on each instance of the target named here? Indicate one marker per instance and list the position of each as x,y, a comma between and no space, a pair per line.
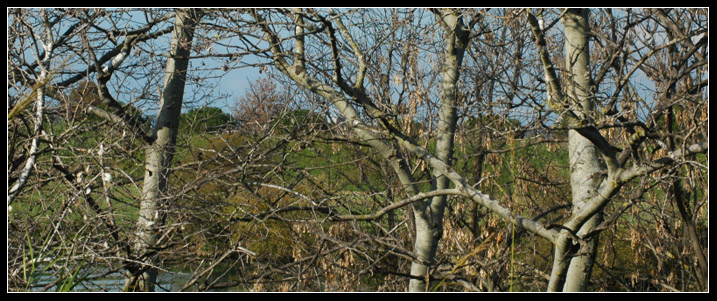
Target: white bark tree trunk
159,154
38,93
583,158
429,213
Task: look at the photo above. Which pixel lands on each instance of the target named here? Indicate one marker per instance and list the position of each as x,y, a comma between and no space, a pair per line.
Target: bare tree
159,155
575,103
607,163
97,168
387,149
428,214
69,173
261,105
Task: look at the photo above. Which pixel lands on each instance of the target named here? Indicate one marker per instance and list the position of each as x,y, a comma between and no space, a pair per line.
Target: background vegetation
278,191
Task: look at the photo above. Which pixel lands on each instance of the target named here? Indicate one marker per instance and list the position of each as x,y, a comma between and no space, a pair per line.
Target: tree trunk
429,213
583,158
159,154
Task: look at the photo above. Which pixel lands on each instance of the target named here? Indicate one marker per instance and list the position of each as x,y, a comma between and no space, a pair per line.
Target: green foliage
203,119
298,120
518,172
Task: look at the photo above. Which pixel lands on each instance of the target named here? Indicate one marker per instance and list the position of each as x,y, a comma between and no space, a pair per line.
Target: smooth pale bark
583,158
429,214
39,93
159,154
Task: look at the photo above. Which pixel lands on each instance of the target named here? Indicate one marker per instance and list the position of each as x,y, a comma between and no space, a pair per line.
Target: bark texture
429,213
159,154
584,159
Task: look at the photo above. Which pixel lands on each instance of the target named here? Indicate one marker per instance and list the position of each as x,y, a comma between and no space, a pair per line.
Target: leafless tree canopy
379,149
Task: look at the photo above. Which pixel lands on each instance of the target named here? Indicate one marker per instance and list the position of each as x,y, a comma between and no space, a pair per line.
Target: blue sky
234,83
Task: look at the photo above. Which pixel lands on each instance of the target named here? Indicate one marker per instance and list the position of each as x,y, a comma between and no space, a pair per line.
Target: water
97,281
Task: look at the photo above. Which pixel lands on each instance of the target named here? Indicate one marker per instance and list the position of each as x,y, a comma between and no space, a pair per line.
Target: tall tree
84,128
429,213
593,184
584,156
160,153
417,149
